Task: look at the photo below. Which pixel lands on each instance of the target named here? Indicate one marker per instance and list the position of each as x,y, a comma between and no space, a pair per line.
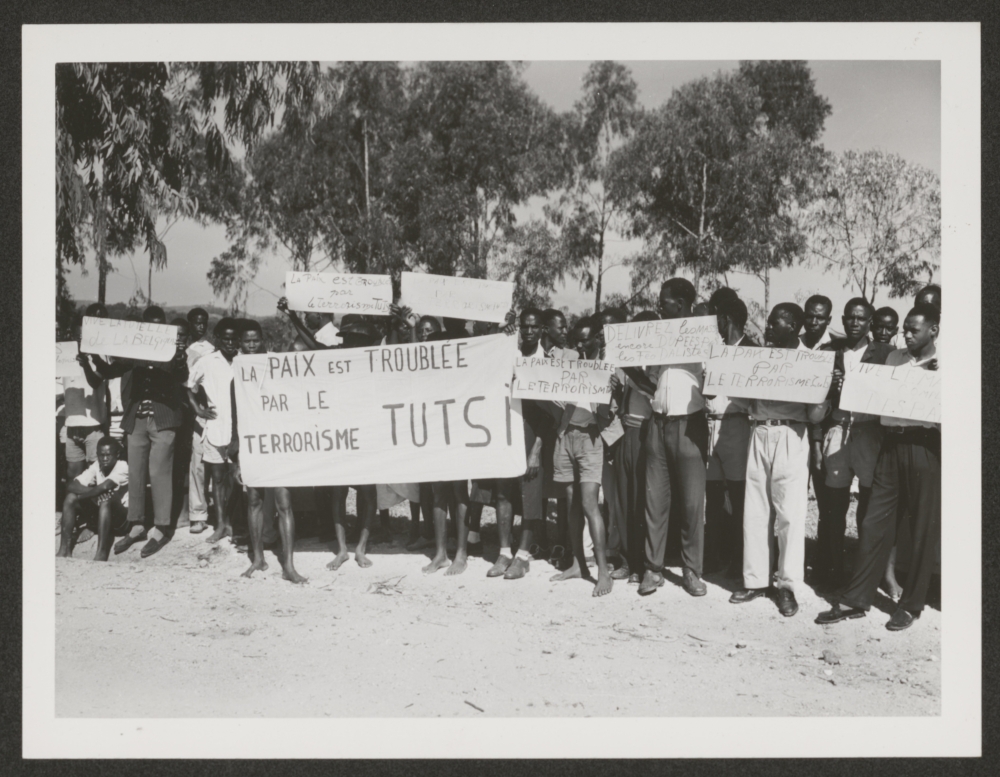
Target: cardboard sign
785,374
674,341
325,292
66,364
128,339
901,391
579,381
468,298
390,414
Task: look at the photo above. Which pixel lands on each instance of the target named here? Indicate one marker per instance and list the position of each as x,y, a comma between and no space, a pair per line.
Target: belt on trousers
720,416
664,417
774,422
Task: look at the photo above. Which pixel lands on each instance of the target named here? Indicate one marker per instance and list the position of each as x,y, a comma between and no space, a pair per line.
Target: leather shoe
650,582
621,573
745,595
787,605
693,584
518,569
634,579
127,542
836,614
152,546
901,619
500,567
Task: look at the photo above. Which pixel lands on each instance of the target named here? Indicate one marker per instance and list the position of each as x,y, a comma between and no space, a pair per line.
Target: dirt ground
176,636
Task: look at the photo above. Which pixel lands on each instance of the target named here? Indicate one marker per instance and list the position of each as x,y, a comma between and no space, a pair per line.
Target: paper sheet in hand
468,298
66,364
128,339
901,391
410,413
673,341
580,381
786,374
326,292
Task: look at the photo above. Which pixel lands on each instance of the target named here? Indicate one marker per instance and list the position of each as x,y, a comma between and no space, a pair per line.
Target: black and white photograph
432,386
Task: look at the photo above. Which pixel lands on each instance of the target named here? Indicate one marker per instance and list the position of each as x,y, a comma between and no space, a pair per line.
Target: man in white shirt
197,503
214,372
906,487
105,485
777,481
818,314
676,453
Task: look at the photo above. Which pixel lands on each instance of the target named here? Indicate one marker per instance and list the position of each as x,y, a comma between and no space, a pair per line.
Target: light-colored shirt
81,398
900,357
678,388
216,374
823,340
93,476
777,409
328,334
196,350
852,356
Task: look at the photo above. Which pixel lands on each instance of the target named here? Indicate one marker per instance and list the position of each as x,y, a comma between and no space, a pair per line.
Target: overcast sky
894,106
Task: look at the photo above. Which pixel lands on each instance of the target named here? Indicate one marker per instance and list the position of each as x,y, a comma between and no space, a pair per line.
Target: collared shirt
900,357
94,476
216,375
853,356
777,409
678,388
196,350
823,340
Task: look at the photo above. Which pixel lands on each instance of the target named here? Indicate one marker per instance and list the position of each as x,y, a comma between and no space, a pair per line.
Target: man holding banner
906,487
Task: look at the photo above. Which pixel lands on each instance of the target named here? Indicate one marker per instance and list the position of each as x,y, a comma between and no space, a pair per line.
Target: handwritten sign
785,374
325,292
469,298
128,339
66,364
673,341
562,380
394,414
901,391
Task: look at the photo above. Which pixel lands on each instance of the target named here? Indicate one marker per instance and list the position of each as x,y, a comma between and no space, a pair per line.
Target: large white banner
326,292
391,414
786,374
469,298
564,380
128,339
66,364
672,341
901,391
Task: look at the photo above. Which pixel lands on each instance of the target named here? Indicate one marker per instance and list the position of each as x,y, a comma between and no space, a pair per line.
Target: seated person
103,485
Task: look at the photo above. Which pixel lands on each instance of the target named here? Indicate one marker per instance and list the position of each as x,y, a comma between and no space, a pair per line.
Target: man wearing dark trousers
906,487
847,443
729,441
676,445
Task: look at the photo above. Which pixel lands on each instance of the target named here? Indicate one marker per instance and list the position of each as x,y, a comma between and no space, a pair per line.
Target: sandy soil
175,636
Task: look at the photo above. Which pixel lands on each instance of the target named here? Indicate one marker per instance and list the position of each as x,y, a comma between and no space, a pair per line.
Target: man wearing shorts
103,485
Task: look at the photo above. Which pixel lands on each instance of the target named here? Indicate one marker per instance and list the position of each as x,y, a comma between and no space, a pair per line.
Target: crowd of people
725,479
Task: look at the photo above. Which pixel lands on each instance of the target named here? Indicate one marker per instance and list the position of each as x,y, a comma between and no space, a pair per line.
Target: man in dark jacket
847,443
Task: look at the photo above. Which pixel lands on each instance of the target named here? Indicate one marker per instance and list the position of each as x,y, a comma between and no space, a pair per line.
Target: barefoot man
105,485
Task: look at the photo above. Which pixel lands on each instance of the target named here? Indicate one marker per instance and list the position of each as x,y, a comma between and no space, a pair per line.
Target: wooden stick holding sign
563,380
327,292
785,374
671,341
468,298
901,391
128,339
66,364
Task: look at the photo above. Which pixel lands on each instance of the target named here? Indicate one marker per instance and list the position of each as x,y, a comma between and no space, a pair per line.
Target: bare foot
438,562
338,561
363,561
892,587
604,583
292,576
458,566
571,573
257,566
218,534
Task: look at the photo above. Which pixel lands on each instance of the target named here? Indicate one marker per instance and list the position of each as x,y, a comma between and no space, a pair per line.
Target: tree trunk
701,230
600,274
102,253
149,283
767,293
368,214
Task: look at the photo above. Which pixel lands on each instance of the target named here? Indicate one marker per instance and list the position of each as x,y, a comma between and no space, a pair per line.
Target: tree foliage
879,224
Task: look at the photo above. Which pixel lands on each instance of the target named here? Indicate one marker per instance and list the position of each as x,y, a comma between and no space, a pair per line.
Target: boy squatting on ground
103,485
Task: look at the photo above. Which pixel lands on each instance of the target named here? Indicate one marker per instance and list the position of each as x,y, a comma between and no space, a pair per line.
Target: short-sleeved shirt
196,350
93,476
823,340
678,388
216,375
896,359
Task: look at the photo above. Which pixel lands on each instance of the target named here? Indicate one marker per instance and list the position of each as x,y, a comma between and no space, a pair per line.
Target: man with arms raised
906,487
